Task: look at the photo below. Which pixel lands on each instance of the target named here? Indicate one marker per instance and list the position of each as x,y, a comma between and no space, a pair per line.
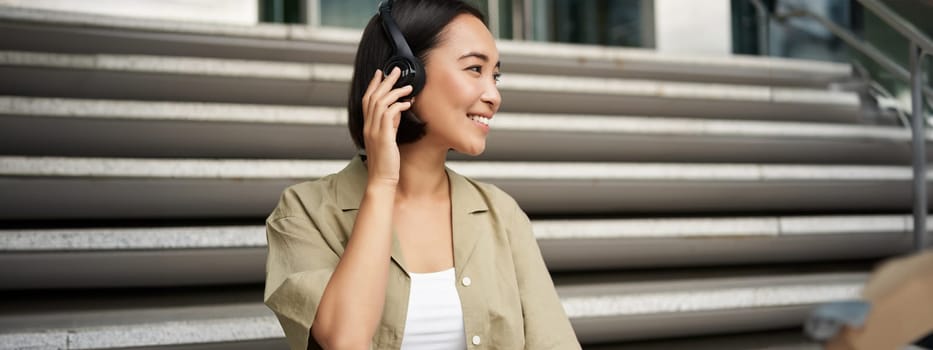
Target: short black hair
421,22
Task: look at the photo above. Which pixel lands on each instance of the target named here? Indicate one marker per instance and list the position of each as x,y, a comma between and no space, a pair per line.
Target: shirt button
476,340
466,283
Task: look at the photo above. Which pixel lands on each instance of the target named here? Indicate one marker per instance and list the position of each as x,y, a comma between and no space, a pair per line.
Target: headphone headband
391,28
412,70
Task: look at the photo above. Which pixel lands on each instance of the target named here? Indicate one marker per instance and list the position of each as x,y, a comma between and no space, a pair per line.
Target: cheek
463,87
443,92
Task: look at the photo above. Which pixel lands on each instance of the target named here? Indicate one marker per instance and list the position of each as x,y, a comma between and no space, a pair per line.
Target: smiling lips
482,120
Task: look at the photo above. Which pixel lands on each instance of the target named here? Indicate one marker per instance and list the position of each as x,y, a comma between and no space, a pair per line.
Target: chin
473,151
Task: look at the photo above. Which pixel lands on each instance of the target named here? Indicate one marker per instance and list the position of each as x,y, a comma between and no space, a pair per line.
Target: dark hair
421,22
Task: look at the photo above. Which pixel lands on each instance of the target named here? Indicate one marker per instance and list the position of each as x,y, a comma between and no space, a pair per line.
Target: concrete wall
693,26
226,11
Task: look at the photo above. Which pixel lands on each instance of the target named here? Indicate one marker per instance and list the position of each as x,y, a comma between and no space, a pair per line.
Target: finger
393,116
376,120
394,74
367,97
373,84
378,100
395,95
386,84
387,101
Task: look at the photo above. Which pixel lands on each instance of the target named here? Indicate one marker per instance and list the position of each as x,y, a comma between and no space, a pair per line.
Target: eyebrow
481,56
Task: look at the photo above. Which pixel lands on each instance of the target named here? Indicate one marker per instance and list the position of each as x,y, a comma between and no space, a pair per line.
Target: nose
491,96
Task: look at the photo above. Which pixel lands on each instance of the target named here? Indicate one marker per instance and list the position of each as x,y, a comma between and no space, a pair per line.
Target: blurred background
699,173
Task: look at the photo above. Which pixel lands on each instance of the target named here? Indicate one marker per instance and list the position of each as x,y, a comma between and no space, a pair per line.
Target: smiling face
460,94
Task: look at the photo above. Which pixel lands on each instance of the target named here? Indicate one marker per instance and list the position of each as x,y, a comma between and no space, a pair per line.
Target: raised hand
382,112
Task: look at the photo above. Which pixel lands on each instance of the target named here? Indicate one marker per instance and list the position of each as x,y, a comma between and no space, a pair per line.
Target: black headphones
411,68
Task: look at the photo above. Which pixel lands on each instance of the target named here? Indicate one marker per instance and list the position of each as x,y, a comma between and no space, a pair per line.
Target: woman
396,251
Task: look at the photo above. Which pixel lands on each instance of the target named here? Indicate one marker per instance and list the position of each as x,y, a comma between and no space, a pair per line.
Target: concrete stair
29,30
601,307
44,126
96,188
713,198
210,255
243,81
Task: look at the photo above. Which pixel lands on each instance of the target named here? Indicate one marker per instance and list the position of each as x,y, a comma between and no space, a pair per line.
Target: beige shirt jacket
508,298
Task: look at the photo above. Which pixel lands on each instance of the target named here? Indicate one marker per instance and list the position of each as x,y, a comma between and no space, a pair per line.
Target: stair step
241,81
599,312
209,255
132,257
647,310
41,30
578,245
113,128
85,188
790,339
110,128
144,327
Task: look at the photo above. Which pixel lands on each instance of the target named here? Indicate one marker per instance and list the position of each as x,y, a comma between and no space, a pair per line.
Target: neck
422,174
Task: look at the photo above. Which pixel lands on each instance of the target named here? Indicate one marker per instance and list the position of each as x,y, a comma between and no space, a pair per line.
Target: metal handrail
854,42
900,24
920,47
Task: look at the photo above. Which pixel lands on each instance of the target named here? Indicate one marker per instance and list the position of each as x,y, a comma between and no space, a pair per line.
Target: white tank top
435,317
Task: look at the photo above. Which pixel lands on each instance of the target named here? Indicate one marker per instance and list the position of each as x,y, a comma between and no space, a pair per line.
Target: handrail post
764,24
919,148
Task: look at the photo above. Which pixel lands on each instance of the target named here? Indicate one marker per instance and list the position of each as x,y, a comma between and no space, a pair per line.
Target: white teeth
480,119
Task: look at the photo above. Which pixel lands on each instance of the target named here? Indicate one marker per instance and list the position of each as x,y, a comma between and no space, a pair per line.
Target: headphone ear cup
418,79
412,73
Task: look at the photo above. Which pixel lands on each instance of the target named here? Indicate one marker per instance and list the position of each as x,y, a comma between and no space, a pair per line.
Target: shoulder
324,196
305,198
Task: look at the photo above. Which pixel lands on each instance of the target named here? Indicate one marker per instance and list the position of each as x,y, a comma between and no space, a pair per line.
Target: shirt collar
351,184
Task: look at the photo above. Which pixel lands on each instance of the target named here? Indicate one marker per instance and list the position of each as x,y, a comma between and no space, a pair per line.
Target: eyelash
478,69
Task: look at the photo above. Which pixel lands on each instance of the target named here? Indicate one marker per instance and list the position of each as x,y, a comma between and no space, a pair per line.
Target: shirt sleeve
298,266
546,323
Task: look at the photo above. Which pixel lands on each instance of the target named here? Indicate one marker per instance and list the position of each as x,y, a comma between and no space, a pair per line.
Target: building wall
680,26
225,11
694,26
